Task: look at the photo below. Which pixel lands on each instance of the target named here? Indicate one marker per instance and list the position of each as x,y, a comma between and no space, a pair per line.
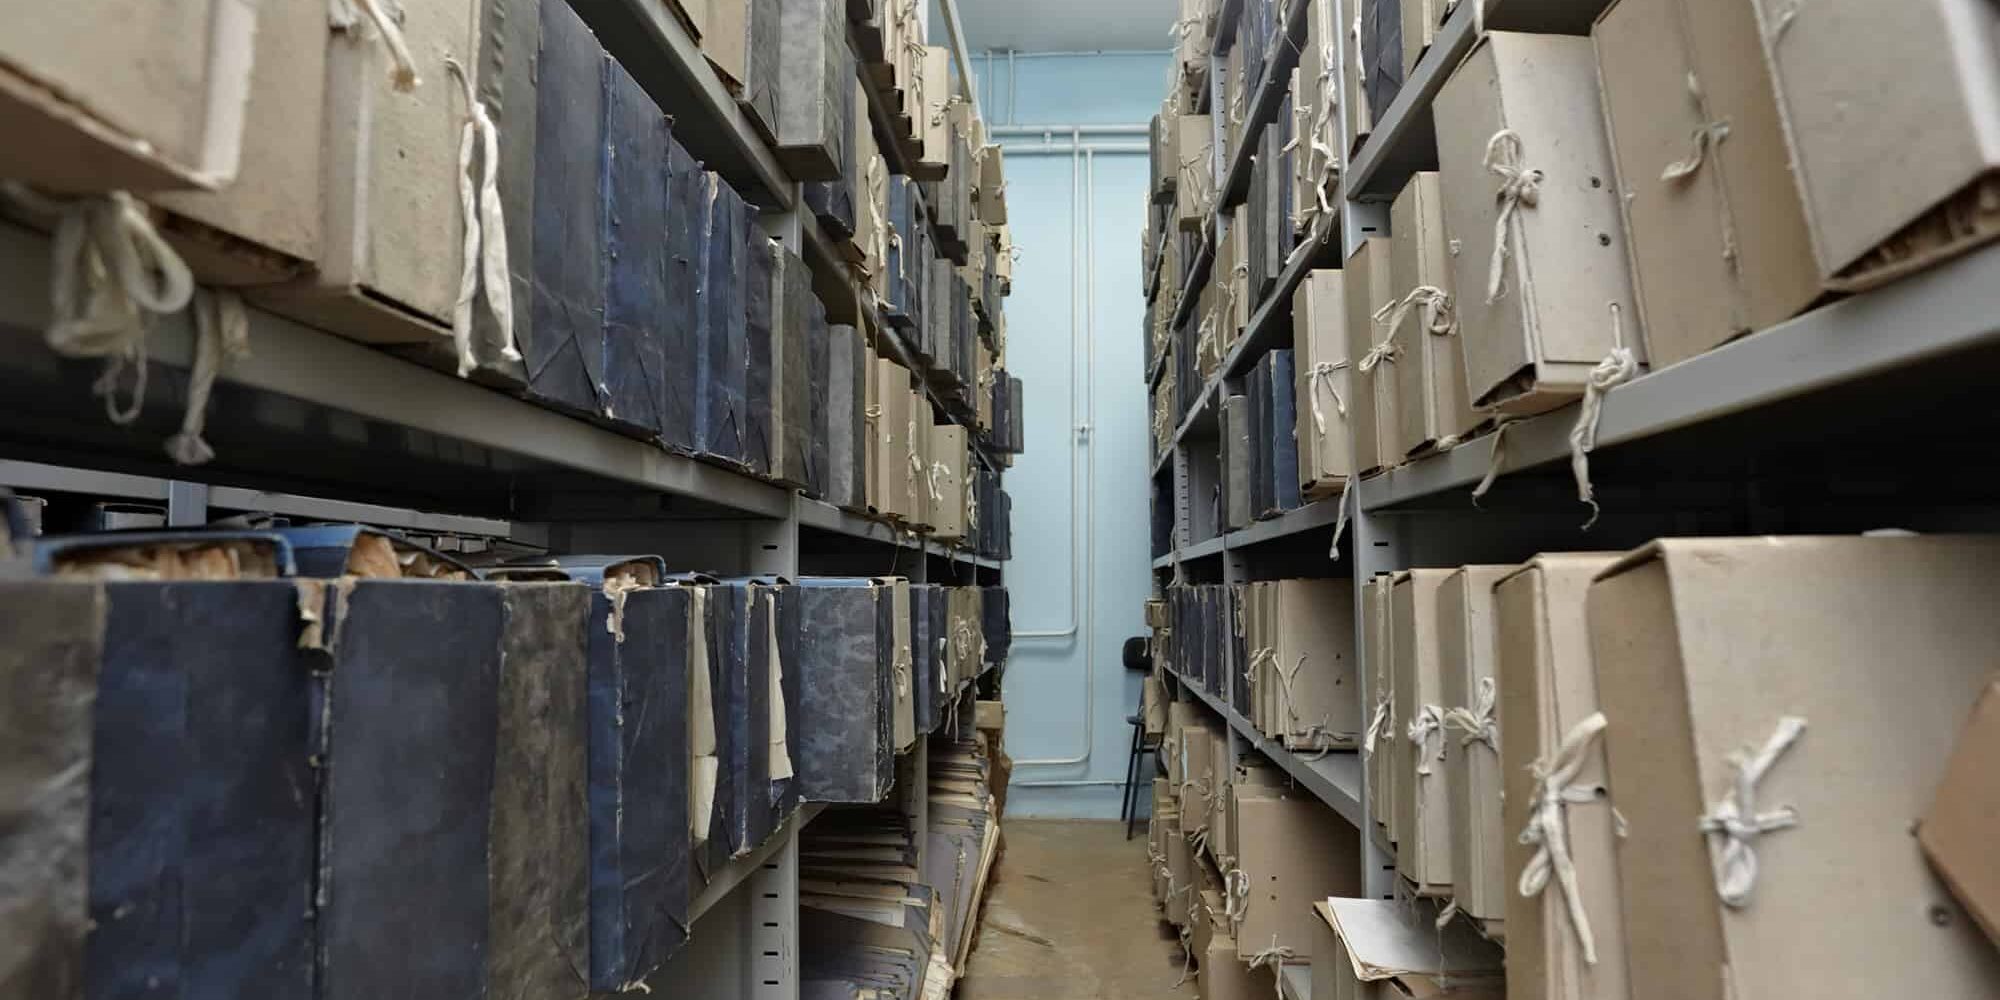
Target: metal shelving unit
1861,413
311,425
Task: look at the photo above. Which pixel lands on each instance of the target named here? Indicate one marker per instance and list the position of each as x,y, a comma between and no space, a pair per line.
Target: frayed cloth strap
1322,378
110,271
1707,134
1618,367
1379,727
1476,721
403,69
1339,524
1426,730
484,255
222,335
1274,956
1734,824
1548,826
1520,187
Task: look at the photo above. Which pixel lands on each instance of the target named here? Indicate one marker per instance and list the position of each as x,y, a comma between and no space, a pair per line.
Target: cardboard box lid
1963,824
1721,248
1711,652
1388,939
1431,396
1570,245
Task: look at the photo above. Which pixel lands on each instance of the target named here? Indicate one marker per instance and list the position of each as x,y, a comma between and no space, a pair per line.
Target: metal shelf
1263,110
822,516
313,414
1927,317
1404,138
1311,517
659,52
1295,981
1333,778
733,874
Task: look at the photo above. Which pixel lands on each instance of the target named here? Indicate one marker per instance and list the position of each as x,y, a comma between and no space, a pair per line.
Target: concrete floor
1070,916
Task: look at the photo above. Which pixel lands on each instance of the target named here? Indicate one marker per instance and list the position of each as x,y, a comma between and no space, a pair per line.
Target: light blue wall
1077,220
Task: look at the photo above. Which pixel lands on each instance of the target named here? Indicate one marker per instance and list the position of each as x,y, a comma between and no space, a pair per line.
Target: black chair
1137,658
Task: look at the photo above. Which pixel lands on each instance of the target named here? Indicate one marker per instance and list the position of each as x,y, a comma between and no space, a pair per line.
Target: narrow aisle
1070,915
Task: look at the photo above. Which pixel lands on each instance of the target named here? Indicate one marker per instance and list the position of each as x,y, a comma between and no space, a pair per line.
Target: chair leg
1130,801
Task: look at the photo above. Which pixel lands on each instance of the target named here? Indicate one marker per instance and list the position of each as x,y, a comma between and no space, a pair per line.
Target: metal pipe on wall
1075,182
1044,128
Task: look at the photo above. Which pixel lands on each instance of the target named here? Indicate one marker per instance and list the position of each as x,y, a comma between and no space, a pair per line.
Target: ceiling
1065,25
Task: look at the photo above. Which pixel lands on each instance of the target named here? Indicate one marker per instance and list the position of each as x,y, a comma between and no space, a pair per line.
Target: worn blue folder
635,251
845,735
1283,450
565,354
720,420
681,318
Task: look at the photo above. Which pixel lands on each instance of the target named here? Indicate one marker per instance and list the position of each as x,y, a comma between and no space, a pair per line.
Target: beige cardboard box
391,239
1423,807
264,225
1155,708
924,513
1378,740
104,95
1388,949
1564,291
1367,288
1470,692
1420,24
1433,407
1963,824
1224,977
1318,120
903,661
875,428
1294,851
1718,236
947,482
1191,48
1325,383
992,193
1194,195
1180,716
1737,696
1196,788
1181,876
934,122
1889,113
892,432
1201,921
1332,975
1221,831
1548,698
1238,278
1316,702
1232,95
1357,118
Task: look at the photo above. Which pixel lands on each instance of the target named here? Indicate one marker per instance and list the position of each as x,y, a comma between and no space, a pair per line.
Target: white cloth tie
110,270
1322,379
1378,727
402,69
1426,730
484,255
1519,187
1618,367
1477,722
1548,826
1734,824
222,335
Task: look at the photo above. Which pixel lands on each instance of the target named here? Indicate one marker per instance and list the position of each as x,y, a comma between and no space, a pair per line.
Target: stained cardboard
1704,647
1532,348
1722,249
1548,687
1468,681
1433,408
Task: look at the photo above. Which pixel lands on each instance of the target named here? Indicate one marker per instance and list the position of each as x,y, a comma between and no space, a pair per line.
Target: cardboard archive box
1294,851
1422,807
1469,692
1194,195
1763,799
1718,237
1304,637
893,495
1378,740
1892,129
1958,831
933,127
102,95
1357,118
1326,381
1548,707
815,69
1366,289
1383,949
947,482
263,226
1565,292
1432,406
